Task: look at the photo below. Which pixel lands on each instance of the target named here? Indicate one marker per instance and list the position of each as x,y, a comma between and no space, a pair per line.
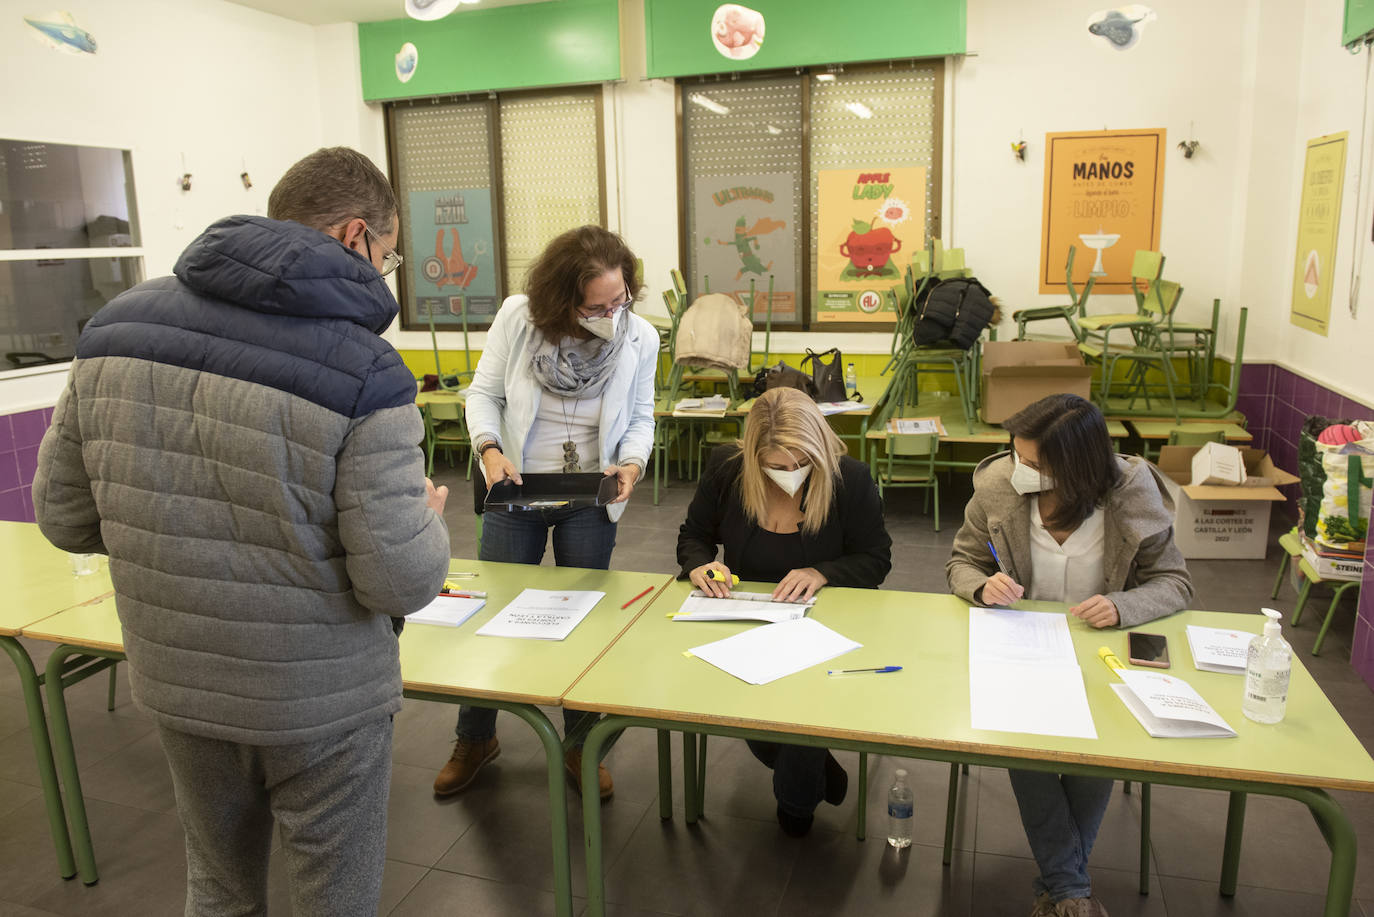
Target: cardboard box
1221,521
1329,567
1019,373
1217,463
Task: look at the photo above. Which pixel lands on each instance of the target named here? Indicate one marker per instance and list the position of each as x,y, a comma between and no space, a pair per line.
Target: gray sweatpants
329,797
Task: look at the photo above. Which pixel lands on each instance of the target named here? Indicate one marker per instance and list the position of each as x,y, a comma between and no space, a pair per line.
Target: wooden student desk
41,583
447,664
645,680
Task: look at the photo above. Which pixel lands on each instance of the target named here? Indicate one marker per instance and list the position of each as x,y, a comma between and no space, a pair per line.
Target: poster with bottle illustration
869,221
745,234
1103,195
1319,219
452,257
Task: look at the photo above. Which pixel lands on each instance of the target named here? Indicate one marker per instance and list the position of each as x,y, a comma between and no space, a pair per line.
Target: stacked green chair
445,428
1077,307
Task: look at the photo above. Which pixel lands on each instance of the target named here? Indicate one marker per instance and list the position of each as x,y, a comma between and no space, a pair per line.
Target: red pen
637,598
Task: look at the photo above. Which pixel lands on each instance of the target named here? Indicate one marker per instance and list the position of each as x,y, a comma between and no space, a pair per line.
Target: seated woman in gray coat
1071,521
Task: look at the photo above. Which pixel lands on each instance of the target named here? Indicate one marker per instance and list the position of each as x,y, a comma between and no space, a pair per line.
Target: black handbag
828,378
783,375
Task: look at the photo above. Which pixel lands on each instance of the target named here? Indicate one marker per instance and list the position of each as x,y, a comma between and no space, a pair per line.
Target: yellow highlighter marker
1107,656
720,577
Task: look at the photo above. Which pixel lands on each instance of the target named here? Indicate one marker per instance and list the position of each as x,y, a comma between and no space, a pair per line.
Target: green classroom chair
910,462
445,429
1339,588
1078,305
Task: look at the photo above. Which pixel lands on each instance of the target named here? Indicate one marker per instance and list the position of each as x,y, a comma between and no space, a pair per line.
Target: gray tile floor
486,852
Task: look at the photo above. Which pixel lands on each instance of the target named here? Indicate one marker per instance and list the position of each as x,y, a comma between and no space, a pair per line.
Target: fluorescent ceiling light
708,103
860,109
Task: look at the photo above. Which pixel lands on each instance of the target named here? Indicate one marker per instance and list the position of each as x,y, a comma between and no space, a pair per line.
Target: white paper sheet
1168,707
1218,650
839,407
447,610
915,425
741,606
1039,698
1009,635
541,614
763,654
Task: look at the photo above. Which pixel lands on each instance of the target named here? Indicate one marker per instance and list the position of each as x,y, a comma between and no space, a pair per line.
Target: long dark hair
560,275
1075,451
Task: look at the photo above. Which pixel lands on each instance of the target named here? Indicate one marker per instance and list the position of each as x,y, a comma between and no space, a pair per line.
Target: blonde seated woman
789,507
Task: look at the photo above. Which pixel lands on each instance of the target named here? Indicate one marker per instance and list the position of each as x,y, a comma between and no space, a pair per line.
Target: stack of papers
763,654
1168,707
447,611
839,407
1023,674
1217,650
906,426
740,606
539,614
712,406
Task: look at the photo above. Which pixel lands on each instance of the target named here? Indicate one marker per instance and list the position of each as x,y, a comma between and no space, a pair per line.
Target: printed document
1024,676
839,407
540,614
763,654
740,606
1218,650
1168,707
906,426
447,610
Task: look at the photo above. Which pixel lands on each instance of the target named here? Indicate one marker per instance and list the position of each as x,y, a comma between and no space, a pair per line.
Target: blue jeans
582,537
798,774
1061,814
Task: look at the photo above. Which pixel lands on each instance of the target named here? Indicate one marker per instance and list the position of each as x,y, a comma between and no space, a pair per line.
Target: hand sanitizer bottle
1269,661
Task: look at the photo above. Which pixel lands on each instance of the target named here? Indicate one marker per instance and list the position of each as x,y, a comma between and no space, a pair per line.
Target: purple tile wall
1276,402
20,435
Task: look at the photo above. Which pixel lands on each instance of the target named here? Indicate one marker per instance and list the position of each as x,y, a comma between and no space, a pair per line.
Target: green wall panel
1359,20
800,33
510,47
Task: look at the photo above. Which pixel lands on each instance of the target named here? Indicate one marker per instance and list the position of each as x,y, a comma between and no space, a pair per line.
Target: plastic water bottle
1269,661
851,380
899,812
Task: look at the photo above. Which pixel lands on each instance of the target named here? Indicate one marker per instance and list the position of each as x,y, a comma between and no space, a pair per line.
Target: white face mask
1026,480
789,481
603,326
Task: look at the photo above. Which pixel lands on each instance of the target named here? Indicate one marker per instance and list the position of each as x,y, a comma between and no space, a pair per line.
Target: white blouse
1068,572
560,420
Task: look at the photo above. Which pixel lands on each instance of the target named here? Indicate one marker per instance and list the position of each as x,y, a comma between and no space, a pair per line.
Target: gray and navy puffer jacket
242,444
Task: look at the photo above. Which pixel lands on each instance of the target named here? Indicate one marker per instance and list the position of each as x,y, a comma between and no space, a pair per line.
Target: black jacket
851,549
955,310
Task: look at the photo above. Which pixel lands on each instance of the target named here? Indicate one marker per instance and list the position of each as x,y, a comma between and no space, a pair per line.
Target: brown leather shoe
467,759
572,764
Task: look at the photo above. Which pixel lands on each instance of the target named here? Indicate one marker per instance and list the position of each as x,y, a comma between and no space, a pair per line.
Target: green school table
447,664
645,680
1159,429
41,583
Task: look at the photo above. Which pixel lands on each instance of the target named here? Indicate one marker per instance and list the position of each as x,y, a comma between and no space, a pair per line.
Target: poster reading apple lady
869,221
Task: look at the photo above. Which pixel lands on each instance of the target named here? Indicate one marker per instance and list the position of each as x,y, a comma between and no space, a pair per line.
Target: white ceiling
327,12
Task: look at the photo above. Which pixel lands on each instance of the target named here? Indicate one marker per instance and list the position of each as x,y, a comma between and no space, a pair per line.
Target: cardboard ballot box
1220,520
1019,373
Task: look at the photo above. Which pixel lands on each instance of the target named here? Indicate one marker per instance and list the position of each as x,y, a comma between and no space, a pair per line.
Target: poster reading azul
869,221
1103,192
460,269
745,234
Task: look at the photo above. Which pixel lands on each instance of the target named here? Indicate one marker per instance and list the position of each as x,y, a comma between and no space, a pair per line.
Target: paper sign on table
740,606
763,654
541,614
1218,650
447,610
1168,707
909,426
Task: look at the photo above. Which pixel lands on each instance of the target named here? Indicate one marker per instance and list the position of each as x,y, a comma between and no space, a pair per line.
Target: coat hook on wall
1189,147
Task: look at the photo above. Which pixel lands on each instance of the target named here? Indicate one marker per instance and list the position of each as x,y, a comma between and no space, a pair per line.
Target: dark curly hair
559,277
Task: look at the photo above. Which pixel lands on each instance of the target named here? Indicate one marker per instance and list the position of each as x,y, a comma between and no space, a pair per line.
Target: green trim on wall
509,47
1359,20
799,33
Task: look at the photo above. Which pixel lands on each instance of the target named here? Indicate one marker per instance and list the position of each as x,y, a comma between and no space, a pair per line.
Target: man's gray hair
331,186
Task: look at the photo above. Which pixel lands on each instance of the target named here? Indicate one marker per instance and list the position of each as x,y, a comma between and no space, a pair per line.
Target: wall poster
1104,192
870,220
1319,217
744,233
461,269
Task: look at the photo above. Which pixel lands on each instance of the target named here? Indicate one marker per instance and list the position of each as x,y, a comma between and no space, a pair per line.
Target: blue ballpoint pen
879,670
997,559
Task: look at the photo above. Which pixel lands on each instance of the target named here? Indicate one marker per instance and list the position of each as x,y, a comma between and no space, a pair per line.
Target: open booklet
1218,650
740,606
447,610
1168,707
539,614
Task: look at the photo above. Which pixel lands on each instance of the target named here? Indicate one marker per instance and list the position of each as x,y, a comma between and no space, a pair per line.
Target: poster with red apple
869,220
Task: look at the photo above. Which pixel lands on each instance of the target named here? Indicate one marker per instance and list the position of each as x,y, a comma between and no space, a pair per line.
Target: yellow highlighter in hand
720,577
1107,656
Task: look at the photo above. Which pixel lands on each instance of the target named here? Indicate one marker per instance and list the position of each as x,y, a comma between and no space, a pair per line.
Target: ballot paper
1217,649
763,654
1168,707
447,610
710,406
839,407
541,614
740,606
906,426
1023,674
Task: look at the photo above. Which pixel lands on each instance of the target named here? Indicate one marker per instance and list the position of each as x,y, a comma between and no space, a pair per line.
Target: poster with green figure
745,232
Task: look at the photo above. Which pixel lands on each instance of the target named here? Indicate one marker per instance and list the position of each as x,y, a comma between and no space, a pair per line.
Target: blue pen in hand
1000,565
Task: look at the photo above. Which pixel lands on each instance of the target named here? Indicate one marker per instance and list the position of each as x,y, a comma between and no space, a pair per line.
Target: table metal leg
558,799
951,803
1145,838
862,830
42,750
591,809
1230,855
665,774
689,775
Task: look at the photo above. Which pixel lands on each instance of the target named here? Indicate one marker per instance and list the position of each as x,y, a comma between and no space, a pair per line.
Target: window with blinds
753,152
481,187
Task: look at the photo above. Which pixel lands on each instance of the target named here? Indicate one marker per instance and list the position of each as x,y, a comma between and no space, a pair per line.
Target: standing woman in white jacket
565,384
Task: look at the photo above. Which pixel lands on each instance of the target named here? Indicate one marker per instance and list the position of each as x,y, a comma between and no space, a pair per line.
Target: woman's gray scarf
567,373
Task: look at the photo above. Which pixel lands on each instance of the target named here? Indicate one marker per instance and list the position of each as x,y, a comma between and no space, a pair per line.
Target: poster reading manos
744,234
453,261
1103,192
869,222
